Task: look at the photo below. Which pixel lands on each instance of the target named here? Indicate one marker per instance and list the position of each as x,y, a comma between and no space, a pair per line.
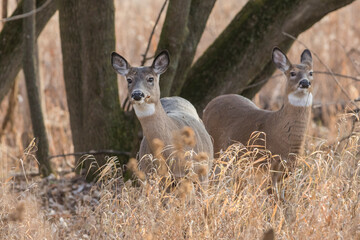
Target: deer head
299,76
143,82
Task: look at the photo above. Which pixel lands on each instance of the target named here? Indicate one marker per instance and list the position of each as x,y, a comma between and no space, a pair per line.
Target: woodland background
335,44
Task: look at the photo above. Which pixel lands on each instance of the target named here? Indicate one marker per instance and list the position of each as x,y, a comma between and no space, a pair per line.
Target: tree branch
24,15
198,16
241,55
11,44
99,152
152,33
173,35
31,73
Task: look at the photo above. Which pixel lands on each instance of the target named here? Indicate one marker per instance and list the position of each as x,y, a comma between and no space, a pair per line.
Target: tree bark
4,8
173,35
11,44
31,72
241,55
198,16
87,40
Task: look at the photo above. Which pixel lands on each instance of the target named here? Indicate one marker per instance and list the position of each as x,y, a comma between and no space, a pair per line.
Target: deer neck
292,121
155,122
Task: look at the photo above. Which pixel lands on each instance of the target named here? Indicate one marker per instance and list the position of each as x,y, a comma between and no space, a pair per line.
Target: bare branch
261,82
316,72
347,55
24,15
152,33
338,75
110,151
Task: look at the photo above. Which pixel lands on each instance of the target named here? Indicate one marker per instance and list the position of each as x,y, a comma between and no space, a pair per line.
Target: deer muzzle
304,83
137,95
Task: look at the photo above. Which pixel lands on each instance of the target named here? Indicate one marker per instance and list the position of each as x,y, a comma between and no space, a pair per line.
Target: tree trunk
4,8
198,16
31,72
87,39
11,44
173,35
241,55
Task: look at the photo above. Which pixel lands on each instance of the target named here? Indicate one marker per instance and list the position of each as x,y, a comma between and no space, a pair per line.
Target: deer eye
150,80
292,74
129,80
311,73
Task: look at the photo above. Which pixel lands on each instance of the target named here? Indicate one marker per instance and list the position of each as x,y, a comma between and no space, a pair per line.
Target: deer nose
304,83
137,95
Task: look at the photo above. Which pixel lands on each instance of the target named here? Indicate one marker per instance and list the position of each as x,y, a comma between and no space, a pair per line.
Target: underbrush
319,200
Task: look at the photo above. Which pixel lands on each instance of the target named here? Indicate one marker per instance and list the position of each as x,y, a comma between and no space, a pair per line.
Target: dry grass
321,201
321,196
134,22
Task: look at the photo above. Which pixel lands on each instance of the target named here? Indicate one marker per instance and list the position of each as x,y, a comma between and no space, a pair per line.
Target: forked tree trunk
173,35
11,41
241,55
87,40
31,73
198,16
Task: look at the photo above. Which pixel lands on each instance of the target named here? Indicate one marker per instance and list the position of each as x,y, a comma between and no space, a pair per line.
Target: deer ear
306,57
280,59
161,62
120,64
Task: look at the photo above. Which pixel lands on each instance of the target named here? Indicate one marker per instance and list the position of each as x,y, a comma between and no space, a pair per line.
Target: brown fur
170,117
233,118
171,114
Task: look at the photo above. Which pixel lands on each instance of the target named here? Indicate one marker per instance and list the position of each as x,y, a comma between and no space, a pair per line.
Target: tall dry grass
320,201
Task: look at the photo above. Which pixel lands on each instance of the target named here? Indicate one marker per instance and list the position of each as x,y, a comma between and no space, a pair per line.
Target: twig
347,55
332,74
152,33
25,175
316,72
126,106
318,105
37,174
338,75
91,153
260,82
24,15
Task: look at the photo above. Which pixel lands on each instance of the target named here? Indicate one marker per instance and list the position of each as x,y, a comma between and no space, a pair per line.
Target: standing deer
233,118
159,118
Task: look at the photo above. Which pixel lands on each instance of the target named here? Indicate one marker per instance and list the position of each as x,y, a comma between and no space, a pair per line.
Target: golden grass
321,201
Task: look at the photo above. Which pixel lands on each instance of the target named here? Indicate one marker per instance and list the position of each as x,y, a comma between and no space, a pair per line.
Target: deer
161,117
233,118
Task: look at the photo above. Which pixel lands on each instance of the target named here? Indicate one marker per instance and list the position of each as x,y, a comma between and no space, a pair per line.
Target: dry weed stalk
132,165
161,162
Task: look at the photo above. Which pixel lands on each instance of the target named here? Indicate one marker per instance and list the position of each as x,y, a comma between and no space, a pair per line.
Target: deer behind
233,118
159,118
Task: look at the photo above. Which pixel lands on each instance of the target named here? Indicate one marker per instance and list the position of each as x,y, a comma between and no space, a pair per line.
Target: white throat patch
300,100
144,109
